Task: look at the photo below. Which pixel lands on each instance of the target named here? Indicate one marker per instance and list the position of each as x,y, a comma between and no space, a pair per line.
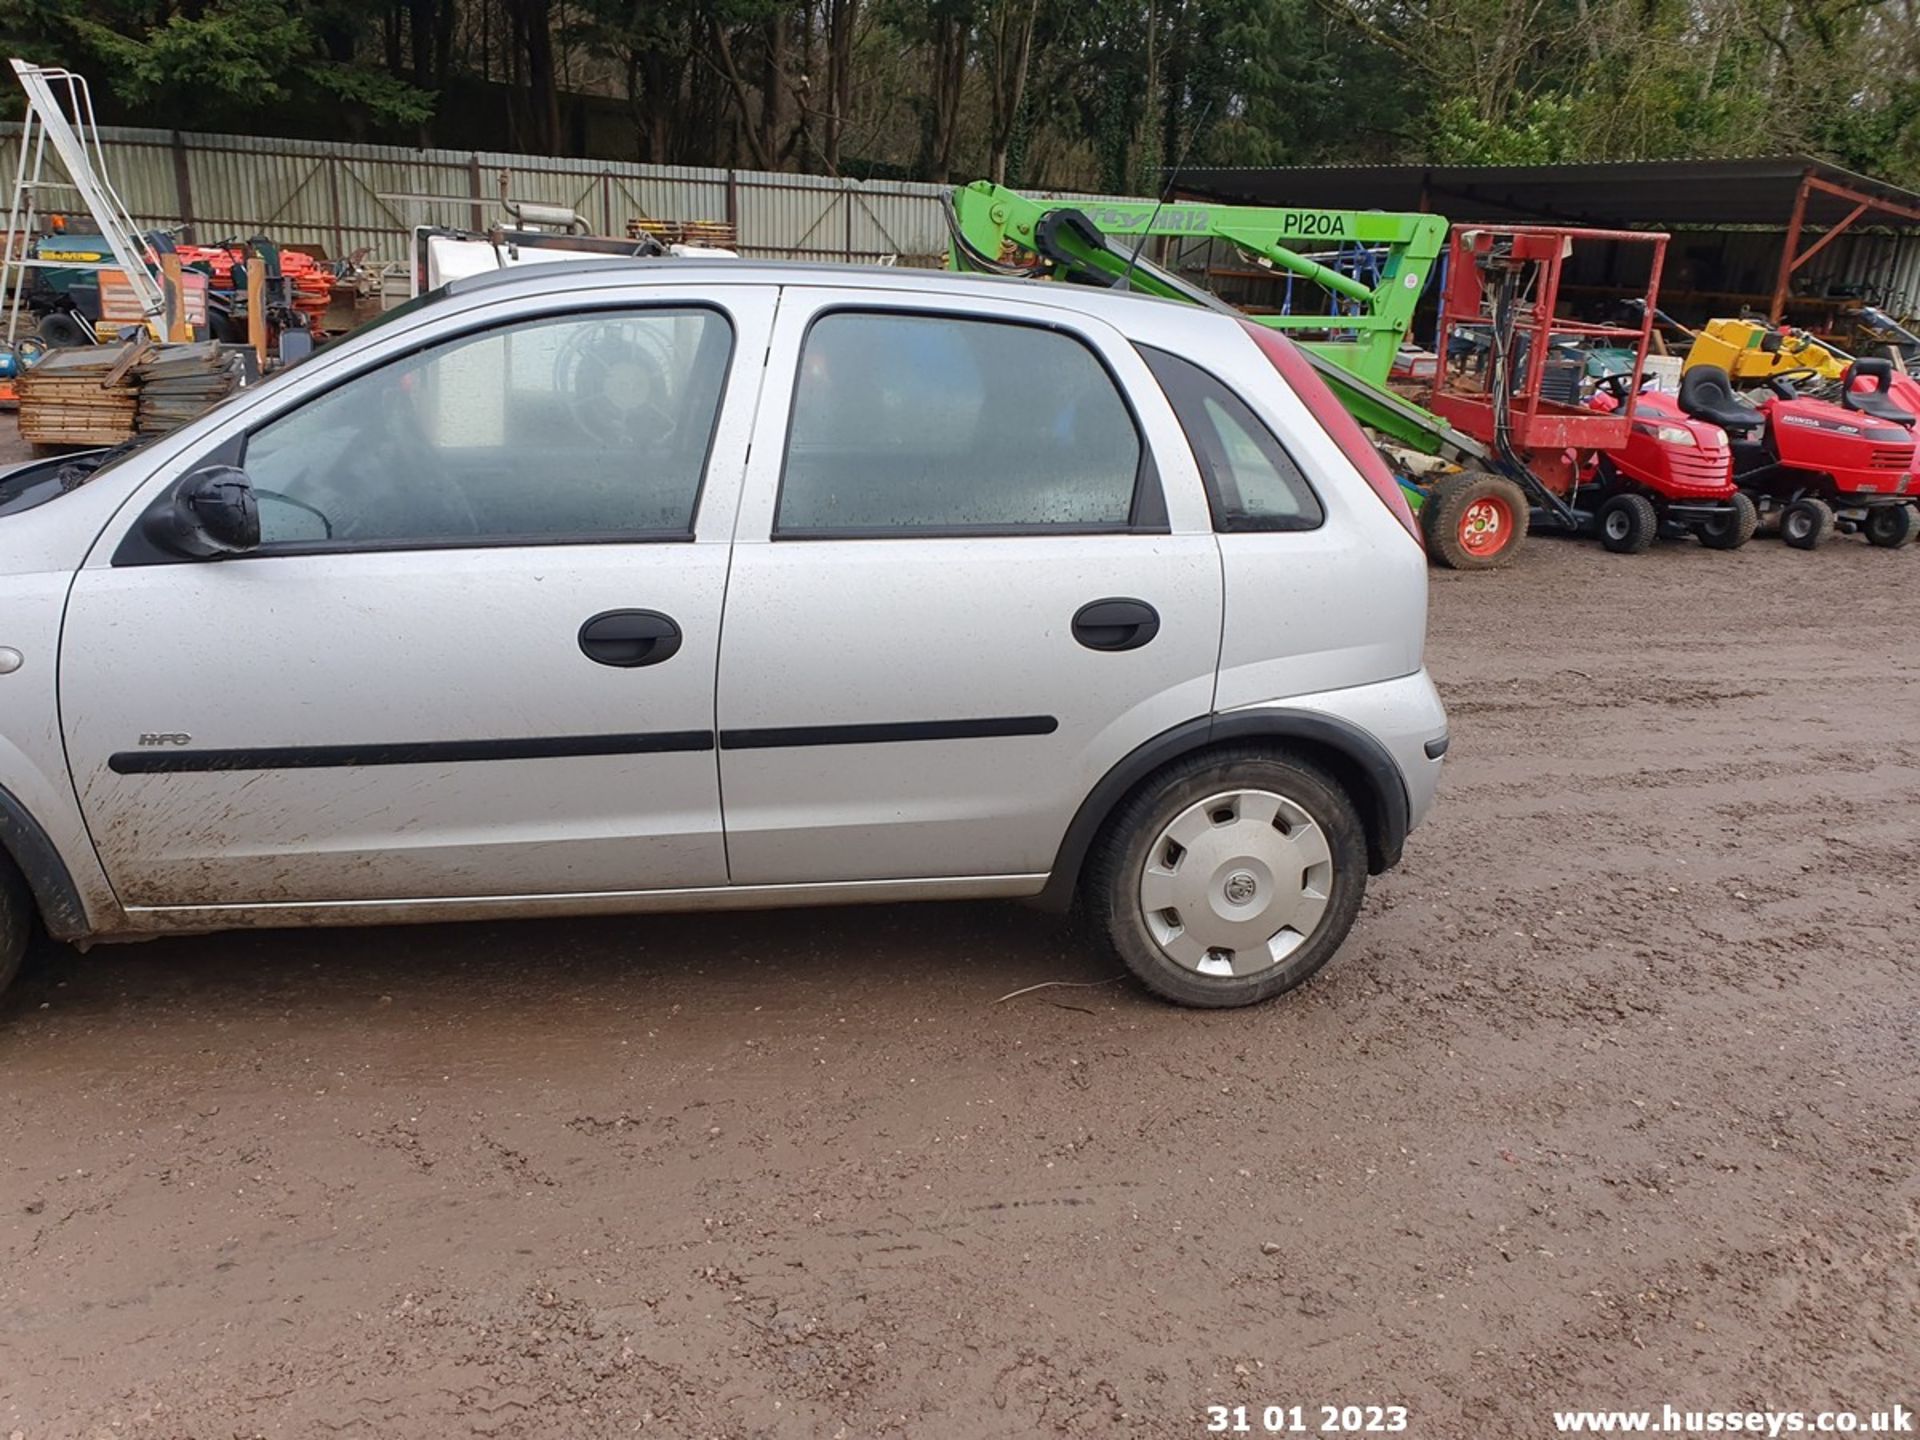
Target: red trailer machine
1624,475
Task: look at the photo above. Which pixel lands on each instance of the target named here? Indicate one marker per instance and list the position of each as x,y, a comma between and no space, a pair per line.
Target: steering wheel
280,497
1781,381
617,387
1618,382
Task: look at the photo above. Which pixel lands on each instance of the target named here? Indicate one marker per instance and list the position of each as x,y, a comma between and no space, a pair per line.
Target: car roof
564,275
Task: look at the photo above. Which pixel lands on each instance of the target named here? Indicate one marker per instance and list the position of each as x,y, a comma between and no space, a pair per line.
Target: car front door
974,568
473,655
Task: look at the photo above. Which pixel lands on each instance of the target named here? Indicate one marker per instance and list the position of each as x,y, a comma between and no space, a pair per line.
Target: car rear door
473,657
973,569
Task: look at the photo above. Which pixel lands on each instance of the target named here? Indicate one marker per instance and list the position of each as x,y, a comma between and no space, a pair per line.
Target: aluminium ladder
60,113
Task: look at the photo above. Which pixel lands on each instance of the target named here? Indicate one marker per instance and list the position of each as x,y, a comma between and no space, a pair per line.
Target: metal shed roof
1666,193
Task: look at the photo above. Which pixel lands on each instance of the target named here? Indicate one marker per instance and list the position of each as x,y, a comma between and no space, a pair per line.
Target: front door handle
1115,624
628,638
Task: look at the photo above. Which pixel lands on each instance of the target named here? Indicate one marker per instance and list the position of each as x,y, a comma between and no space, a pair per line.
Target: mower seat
1707,394
1875,402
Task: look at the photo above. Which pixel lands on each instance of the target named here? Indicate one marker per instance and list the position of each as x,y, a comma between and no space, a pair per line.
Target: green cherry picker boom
1484,477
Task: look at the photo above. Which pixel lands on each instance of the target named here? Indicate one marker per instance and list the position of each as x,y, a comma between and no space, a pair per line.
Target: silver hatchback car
613,587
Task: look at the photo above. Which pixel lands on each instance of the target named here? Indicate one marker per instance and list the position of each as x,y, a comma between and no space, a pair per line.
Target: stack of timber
102,395
716,233
80,396
178,382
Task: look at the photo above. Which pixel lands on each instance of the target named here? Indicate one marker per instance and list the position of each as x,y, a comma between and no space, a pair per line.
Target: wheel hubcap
1236,883
1484,526
1617,524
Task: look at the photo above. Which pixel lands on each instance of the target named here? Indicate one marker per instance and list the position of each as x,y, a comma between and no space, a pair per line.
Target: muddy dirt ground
1611,1099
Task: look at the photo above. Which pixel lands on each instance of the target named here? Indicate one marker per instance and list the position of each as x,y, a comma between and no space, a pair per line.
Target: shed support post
1789,247
1833,234
182,186
478,220
333,198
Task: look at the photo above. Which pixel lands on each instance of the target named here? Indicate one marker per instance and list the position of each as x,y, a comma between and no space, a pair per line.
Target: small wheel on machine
1807,523
1229,877
1474,520
60,330
1892,526
1629,524
1733,526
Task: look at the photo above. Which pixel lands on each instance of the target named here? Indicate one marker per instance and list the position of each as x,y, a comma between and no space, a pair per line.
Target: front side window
1252,483
906,424
580,427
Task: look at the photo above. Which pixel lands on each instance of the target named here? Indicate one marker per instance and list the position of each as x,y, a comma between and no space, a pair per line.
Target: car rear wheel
1230,877
1732,527
1892,526
1629,524
16,921
1807,523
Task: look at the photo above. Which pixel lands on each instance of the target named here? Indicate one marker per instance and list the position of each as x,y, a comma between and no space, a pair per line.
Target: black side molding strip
556,747
46,873
781,737
418,752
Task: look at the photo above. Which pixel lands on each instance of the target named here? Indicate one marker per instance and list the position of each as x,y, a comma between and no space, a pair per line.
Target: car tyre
1807,523
1733,527
1210,852
1629,525
1892,526
16,921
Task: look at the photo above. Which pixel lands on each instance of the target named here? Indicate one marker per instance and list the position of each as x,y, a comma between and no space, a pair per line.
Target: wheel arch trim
39,861
1362,762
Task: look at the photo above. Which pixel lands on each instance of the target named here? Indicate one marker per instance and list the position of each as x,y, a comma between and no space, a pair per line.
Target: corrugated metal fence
352,197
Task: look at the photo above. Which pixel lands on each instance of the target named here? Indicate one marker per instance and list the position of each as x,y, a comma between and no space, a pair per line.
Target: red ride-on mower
1624,472
1881,387
1673,475
1818,465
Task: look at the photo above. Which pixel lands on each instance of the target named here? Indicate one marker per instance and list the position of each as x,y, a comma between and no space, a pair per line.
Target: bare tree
1006,56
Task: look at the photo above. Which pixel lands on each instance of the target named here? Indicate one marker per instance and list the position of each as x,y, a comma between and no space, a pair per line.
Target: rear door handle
630,638
1115,624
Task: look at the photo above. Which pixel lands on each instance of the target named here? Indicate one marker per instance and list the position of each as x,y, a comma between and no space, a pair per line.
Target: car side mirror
209,513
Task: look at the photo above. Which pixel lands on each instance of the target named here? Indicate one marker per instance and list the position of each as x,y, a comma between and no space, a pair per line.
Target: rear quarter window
1253,484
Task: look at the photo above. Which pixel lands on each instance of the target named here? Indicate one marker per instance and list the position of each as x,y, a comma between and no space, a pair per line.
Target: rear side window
1252,483
925,424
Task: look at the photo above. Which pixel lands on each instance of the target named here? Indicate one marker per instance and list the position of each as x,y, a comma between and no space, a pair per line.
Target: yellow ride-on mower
1752,351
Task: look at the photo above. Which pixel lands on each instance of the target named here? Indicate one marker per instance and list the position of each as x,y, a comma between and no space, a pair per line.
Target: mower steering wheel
1617,383
1781,381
